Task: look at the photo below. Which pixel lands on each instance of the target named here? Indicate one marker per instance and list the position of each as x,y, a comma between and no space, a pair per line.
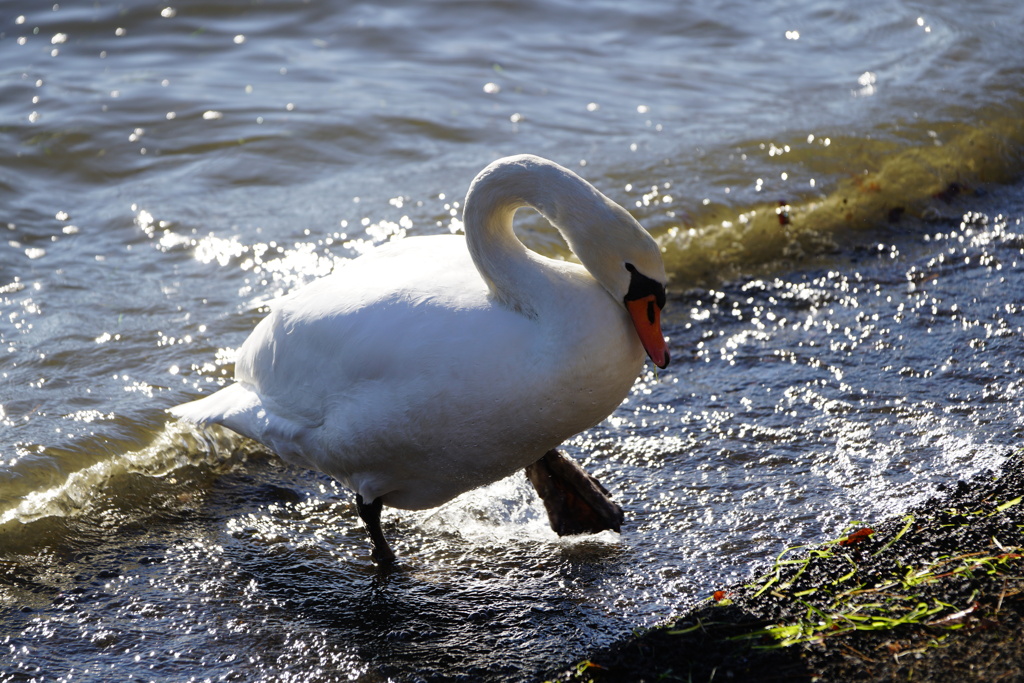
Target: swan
437,364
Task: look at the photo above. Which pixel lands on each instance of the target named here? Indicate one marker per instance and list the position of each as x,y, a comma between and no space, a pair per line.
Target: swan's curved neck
510,269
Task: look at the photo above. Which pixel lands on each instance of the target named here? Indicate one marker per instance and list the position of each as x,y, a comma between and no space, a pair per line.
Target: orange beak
646,315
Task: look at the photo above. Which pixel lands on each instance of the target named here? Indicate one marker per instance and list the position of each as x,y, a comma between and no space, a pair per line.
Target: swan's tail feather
241,410
233,406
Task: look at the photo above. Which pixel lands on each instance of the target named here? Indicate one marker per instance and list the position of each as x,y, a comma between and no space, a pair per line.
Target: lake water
837,191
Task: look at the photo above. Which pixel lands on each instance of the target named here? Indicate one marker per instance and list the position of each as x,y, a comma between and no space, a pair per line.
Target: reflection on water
843,323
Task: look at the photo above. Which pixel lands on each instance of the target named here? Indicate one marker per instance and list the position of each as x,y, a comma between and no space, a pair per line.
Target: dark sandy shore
935,595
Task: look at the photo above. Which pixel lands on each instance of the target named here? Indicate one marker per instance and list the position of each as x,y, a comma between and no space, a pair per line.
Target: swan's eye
641,286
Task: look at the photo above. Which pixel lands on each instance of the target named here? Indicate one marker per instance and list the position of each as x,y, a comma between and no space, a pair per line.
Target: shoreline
936,594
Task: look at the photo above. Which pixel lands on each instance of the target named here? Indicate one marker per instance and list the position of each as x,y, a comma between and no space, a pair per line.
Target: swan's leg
370,514
575,501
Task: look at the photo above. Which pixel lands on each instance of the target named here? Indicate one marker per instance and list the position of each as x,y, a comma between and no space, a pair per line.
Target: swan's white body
435,365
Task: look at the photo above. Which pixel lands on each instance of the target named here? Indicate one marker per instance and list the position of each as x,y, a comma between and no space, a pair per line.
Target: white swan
435,365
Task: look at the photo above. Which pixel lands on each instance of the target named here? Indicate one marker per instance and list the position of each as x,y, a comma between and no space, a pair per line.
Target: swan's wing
378,319
366,333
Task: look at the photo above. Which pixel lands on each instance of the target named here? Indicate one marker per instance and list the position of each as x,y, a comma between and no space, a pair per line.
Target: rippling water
837,192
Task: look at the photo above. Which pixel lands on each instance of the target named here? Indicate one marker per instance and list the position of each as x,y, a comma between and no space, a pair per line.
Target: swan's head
644,301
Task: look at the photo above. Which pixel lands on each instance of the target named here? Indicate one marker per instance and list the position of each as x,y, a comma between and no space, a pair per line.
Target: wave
908,189
121,488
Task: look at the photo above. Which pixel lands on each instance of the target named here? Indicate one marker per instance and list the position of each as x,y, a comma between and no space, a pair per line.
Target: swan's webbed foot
575,501
370,514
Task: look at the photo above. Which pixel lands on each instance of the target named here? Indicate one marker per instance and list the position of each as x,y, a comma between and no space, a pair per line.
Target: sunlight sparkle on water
824,377
212,248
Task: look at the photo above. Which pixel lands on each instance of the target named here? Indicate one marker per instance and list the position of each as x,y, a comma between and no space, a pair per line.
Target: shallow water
170,169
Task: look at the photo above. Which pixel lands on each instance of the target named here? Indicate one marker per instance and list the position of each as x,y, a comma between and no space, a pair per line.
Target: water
169,169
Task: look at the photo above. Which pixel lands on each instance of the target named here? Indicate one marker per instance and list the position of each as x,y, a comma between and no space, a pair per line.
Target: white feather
431,367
